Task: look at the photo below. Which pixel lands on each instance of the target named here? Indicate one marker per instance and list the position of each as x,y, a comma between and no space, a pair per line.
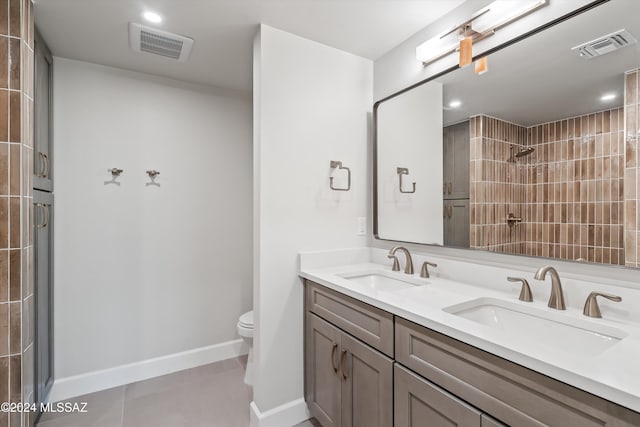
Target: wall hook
153,173
336,164
116,171
404,171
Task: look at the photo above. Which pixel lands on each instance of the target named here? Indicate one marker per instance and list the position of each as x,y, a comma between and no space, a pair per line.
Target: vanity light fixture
466,52
608,97
482,65
152,17
455,103
482,24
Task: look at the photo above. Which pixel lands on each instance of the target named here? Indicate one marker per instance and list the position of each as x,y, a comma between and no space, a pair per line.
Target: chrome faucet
556,299
591,308
408,269
424,272
525,291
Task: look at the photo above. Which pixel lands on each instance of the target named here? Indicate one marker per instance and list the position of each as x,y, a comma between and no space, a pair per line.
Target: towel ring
404,171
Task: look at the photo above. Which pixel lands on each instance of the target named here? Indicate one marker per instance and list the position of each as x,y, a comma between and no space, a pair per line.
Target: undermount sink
380,281
540,327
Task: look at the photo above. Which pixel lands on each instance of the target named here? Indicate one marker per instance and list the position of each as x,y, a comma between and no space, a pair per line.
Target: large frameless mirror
537,157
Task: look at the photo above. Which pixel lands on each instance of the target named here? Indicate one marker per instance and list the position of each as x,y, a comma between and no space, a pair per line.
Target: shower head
525,152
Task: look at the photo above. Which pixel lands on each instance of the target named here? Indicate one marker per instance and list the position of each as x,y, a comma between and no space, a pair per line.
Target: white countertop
613,374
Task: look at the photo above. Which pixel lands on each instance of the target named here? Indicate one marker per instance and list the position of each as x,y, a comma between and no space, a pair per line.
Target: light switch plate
362,226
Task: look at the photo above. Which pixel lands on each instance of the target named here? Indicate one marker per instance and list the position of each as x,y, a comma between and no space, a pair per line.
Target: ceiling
97,30
541,79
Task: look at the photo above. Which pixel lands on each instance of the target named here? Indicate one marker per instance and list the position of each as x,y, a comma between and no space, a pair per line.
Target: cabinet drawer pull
43,210
47,166
333,352
47,216
43,165
342,362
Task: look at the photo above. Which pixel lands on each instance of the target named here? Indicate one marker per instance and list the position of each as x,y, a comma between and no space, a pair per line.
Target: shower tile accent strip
632,168
568,192
16,195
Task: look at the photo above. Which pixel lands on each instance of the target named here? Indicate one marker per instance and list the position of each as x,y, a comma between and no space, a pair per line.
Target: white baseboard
286,415
78,385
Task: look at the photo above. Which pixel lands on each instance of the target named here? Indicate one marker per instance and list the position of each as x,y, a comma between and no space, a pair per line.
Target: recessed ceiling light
455,104
608,97
152,17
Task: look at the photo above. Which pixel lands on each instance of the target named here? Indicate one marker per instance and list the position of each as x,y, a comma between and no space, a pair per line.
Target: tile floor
209,396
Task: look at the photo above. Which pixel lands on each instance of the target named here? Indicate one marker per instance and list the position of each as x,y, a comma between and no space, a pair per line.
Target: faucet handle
525,291
396,264
424,272
591,308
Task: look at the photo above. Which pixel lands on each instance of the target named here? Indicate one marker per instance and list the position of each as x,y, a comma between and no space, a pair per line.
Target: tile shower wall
632,168
576,182
16,156
497,185
569,192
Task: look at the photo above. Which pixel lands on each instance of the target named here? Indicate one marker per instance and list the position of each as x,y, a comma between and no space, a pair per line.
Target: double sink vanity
446,346
484,173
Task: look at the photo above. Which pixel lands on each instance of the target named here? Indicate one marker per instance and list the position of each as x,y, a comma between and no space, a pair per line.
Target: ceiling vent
605,44
158,42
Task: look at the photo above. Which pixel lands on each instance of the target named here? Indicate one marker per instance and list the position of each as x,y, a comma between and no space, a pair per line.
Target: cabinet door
323,383
461,161
419,403
456,161
43,247
447,159
448,224
456,223
43,135
367,385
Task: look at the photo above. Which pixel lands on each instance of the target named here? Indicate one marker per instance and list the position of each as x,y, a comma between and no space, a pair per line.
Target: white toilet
245,330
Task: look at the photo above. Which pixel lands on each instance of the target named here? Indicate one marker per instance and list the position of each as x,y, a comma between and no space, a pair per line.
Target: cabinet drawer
509,392
370,324
487,421
418,403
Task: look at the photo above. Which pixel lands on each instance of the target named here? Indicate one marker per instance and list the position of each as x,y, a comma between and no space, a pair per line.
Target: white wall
312,104
144,271
399,68
410,136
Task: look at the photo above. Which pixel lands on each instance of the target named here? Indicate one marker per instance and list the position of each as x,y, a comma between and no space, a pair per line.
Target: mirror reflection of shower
517,152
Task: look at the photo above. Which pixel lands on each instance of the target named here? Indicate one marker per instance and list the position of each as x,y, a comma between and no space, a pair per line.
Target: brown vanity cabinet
347,382
348,364
507,391
351,378
323,381
419,403
369,324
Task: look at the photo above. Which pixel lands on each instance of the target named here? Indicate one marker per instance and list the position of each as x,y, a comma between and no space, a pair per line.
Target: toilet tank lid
247,319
